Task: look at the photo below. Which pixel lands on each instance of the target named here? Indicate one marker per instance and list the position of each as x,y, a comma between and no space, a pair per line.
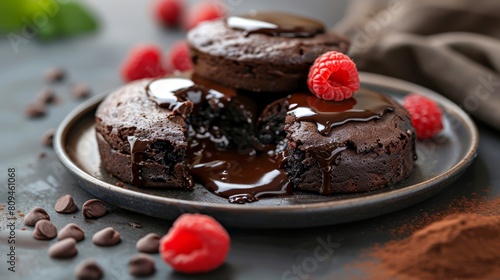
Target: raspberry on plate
426,116
333,76
168,12
143,62
203,11
195,244
178,57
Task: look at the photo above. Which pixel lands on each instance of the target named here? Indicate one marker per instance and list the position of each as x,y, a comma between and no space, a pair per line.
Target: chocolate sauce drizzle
363,107
276,24
242,176
138,149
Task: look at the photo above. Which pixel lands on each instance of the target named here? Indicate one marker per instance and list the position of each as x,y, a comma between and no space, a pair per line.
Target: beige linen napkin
450,46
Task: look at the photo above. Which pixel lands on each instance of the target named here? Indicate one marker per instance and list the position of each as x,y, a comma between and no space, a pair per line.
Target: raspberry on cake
333,76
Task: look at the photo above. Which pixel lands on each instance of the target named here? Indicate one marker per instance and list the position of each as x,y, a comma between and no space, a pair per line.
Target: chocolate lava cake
143,137
212,126
268,52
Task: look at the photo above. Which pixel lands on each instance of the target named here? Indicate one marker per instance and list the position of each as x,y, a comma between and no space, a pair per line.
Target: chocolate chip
36,214
88,270
42,155
65,205
46,96
44,230
141,265
48,137
71,231
63,249
80,91
149,243
106,237
35,110
55,74
93,209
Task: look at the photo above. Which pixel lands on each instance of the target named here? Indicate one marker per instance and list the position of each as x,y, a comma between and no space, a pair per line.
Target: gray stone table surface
255,254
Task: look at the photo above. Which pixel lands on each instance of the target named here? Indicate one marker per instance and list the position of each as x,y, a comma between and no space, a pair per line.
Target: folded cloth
450,46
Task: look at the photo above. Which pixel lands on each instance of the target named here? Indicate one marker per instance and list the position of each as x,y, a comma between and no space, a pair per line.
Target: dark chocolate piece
46,96
48,137
63,249
93,209
89,270
55,74
141,265
35,110
65,205
36,214
106,237
150,243
71,231
44,230
80,91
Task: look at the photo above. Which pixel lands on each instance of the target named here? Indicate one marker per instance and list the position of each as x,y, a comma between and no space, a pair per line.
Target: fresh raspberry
178,57
196,243
333,76
143,62
426,116
203,11
168,12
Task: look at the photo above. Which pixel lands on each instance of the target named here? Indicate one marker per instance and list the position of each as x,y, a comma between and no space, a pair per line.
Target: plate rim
368,78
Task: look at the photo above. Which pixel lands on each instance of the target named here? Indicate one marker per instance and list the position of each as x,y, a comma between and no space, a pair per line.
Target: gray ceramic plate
440,162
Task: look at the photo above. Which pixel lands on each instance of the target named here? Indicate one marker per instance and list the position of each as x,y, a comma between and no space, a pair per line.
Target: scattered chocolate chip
36,214
46,96
93,209
149,243
23,228
65,205
44,230
141,265
80,91
88,270
135,225
48,137
120,184
42,155
35,110
63,249
55,74
71,231
106,237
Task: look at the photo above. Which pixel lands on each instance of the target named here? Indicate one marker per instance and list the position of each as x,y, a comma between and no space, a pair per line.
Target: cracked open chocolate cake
244,124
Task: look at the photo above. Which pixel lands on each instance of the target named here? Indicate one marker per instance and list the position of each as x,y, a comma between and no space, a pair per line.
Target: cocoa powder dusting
462,242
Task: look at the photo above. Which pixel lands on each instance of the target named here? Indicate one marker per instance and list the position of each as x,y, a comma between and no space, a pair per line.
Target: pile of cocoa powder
460,243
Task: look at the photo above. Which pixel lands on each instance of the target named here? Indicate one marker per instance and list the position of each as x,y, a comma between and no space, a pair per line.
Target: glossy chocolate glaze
365,106
239,175
276,24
